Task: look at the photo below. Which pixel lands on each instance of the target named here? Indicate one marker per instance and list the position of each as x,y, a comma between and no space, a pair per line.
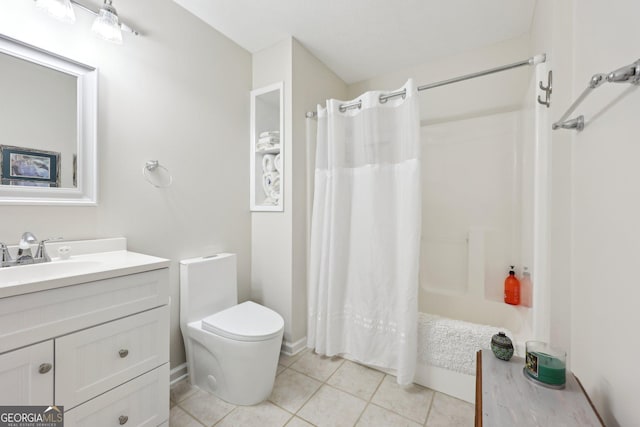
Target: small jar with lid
502,346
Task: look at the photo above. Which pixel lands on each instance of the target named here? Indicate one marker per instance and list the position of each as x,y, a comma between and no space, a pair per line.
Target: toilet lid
245,322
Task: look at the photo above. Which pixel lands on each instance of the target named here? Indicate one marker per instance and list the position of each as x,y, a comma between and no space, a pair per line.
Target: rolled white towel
268,163
268,179
269,202
269,133
275,188
277,163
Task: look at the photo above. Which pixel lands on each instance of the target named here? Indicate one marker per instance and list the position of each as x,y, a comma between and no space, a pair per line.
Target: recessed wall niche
267,148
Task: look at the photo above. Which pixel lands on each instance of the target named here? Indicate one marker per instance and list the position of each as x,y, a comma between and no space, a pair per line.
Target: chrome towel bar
627,74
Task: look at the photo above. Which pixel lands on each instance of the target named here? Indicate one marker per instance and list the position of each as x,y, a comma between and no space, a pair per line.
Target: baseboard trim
178,374
289,348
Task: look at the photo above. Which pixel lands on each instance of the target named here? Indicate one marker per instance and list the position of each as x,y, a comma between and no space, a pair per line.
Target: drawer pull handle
123,353
123,419
44,368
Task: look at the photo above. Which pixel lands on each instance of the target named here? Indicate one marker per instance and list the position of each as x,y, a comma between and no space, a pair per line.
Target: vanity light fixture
107,24
59,9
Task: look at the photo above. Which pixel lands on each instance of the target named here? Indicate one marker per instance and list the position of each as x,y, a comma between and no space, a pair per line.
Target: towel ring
151,166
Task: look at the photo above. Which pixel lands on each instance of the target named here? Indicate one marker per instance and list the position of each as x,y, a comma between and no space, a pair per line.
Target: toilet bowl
232,349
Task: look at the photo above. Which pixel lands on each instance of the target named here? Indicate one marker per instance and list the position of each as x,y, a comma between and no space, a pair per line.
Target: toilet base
238,372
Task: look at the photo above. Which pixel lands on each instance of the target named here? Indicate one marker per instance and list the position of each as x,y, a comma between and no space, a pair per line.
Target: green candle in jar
545,363
546,368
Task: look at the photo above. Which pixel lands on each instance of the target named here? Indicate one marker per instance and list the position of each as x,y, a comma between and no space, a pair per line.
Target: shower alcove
485,208
485,161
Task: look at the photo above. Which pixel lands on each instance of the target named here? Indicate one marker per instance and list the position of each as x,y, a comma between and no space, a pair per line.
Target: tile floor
312,390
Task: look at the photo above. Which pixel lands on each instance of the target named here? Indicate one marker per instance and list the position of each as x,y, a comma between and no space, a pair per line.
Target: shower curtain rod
534,60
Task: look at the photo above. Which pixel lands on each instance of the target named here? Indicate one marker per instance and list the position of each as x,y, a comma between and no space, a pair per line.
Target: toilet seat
245,322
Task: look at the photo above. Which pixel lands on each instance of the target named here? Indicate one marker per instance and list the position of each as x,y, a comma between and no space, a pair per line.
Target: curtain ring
345,107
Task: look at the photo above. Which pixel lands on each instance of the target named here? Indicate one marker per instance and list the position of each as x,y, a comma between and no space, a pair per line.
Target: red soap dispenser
512,288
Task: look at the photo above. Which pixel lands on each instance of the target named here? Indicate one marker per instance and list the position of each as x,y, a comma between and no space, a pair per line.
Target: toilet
232,349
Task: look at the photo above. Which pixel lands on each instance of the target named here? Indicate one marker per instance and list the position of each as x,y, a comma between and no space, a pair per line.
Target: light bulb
106,24
59,9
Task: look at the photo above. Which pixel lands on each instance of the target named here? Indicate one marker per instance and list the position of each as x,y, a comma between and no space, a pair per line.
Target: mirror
48,120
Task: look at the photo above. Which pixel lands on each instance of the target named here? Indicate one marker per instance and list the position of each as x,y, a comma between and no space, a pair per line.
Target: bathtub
471,320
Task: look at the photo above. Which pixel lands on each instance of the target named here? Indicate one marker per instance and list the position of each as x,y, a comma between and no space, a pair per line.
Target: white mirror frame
85,194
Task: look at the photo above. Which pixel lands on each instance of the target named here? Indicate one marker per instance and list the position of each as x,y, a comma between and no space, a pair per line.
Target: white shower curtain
365,233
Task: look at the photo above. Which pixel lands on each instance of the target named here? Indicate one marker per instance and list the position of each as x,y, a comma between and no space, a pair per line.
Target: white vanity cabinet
102,347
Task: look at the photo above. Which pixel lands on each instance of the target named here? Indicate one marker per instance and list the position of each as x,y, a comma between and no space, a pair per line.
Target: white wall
551,32
179,94
271,232
595,236
606,213
279,245
313,83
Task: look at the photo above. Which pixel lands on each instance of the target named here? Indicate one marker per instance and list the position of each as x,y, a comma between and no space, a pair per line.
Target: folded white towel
269,139
277,163
268,163
267,147
270,133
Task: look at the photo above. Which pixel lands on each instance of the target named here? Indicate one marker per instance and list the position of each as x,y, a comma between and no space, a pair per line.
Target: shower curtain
365,233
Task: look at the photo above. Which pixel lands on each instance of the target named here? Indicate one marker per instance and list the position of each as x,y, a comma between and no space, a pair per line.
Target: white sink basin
78,269
47,270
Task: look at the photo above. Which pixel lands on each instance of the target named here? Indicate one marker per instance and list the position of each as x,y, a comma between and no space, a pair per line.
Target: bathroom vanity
90,333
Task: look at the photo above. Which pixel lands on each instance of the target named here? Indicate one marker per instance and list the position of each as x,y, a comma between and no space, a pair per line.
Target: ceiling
359,39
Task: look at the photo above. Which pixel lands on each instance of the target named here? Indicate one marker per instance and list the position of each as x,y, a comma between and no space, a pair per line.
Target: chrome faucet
24,248
41,253
5,256
25,256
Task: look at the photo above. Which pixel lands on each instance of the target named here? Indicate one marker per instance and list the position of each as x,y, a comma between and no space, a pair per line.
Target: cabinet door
141,402
26,375
97,359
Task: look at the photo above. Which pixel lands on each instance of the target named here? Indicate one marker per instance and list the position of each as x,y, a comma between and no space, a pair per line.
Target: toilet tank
207,285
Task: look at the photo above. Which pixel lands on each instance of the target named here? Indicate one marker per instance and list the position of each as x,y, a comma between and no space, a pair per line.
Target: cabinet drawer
144,401
98,359
29,318
21,380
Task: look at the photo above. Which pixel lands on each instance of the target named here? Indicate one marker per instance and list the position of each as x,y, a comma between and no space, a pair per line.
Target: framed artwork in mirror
29,167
